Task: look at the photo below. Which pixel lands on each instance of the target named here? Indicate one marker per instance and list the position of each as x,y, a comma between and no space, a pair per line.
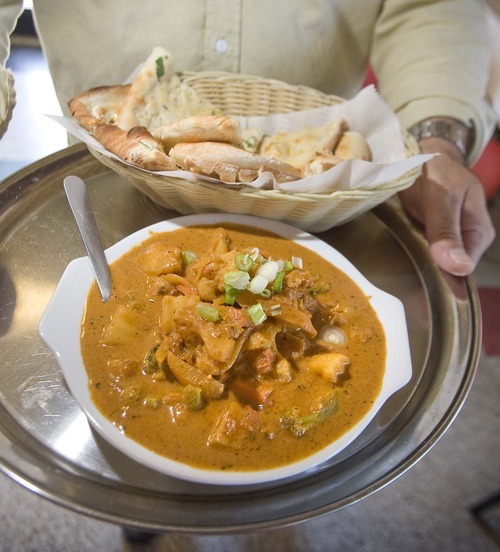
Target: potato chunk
170,308
124,326
160,258
327,365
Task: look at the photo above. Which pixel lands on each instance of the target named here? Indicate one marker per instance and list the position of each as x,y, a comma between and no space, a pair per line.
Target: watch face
453,131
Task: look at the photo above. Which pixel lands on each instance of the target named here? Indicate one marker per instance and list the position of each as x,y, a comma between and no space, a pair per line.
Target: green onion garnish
268,270
207,312
243,261
229,295
146,145
297,262
187,257
278,281
257,284
237,279
257,314
160,68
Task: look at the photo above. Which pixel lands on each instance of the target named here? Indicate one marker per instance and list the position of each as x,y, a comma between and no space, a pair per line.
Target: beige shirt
430,57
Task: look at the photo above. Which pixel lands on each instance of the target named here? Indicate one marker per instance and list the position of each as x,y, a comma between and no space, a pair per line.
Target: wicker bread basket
244,95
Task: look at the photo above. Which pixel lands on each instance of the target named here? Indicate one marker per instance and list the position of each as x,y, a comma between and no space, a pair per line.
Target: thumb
451,256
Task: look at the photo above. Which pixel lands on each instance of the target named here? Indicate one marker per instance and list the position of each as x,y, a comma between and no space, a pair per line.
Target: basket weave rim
246,77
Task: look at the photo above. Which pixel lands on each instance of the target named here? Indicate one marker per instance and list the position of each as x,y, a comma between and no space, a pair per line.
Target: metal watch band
455,132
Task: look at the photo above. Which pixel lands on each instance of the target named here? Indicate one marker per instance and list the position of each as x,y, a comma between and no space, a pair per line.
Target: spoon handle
79,201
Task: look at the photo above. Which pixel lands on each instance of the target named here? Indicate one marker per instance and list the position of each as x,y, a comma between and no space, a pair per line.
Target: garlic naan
160,123
136,146
158,97
299,147
98,106
200,128
229,163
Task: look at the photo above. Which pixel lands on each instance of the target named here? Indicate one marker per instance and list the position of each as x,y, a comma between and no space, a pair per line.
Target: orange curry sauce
276,412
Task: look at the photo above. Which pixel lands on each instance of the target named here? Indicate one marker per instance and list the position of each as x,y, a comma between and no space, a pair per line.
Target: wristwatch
454,131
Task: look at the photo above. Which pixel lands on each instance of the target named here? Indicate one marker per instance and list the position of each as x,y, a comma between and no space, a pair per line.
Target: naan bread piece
98,106
299,147
229,163
321,163
158,97
136,146
353,145
252,139
200,128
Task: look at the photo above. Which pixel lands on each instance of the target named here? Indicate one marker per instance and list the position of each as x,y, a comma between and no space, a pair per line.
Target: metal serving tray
47,445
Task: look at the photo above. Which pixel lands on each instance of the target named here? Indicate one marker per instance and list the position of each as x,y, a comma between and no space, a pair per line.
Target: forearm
431,59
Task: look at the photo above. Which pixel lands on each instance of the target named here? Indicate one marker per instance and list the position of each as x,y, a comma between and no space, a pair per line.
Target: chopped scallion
146,145
238,279
243,261
188,257
207,312
257,284
229,295
160,68
288,266
268,270
278,282
297,262
257,314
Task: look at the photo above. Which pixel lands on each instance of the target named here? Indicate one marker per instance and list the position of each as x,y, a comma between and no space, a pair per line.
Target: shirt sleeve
9,12
431,59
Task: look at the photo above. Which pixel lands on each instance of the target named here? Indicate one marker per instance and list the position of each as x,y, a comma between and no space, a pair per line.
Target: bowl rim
59,328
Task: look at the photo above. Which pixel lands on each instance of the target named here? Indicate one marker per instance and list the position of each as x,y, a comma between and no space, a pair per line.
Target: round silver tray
47,445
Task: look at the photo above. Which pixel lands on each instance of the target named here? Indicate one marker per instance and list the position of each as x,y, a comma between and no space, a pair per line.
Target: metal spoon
79,201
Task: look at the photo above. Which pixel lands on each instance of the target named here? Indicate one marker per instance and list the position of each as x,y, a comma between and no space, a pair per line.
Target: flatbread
229,163
136,146
98,106
161,123
320,163
200,128
353,145
299,147
158,97
252,139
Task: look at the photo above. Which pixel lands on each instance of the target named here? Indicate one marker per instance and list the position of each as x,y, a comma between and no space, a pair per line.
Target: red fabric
487,168
490,308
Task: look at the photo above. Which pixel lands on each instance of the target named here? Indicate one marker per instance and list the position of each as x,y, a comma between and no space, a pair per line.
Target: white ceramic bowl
60,330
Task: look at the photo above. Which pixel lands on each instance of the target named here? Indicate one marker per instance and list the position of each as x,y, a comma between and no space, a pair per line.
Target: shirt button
221,46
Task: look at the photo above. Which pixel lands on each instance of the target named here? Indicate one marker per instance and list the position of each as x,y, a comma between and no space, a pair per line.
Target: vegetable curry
227,347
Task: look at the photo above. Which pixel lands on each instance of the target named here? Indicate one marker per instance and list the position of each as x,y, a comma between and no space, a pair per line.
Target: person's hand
450,202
